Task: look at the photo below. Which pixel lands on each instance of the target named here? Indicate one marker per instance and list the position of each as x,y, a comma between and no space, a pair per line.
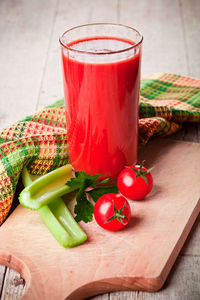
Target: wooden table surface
31,77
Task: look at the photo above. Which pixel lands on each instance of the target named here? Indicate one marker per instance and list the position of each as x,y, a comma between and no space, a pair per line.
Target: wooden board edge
116,284
181,241
9,260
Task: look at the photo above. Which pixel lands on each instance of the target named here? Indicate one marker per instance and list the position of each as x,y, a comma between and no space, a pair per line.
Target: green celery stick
46,188
57,218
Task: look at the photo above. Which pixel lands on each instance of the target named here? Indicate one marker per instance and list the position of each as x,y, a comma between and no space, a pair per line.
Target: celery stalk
46,188
56,215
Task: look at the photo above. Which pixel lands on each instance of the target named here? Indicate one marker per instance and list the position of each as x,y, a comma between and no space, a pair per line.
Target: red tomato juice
101,99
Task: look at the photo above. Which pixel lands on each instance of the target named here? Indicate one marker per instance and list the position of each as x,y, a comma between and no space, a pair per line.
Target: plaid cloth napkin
40,142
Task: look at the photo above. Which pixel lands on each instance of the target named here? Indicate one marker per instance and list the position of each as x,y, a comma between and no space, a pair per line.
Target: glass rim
100,53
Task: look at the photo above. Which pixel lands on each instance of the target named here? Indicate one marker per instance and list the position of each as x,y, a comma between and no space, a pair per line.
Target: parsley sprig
84,208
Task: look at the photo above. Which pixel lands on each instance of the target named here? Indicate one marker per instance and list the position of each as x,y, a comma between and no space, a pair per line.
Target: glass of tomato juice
101,72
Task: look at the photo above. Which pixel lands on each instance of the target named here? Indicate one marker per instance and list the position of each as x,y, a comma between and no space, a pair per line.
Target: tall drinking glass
101,71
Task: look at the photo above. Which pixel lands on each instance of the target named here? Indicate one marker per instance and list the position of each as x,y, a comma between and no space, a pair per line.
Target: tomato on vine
112,211
135,182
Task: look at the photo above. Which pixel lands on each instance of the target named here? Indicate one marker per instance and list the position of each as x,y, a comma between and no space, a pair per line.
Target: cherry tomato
135,182
112,211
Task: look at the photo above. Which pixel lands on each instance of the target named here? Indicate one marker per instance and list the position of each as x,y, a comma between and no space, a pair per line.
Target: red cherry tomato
112,211
135,182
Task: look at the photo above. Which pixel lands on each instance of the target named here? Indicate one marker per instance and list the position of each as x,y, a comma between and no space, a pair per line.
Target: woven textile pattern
40,141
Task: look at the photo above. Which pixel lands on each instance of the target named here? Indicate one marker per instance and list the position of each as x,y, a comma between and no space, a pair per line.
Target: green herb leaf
104,181
82,178
83,209
100,191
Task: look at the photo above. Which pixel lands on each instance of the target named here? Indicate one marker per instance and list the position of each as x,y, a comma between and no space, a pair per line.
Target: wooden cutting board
137,258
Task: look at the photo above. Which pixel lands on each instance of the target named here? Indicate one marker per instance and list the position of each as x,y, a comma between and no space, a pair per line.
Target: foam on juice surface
101,45
105,47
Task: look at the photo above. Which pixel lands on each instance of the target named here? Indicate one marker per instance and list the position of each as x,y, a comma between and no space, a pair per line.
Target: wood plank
103,11
190,132
160,24
25,28
13,287
69,13
190,12
183,283
2,276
